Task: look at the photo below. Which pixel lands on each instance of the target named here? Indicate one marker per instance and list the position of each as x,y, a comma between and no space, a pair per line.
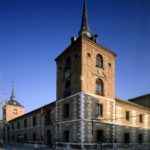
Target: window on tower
67,69
99,61
99,87
67,77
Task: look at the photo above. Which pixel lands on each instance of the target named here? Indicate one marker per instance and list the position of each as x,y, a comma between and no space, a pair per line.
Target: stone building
36,126
86,112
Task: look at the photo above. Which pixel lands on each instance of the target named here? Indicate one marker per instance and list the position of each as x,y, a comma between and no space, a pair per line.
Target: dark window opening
25,137
127,115
99,87
12,126
100,136
48,118
67,77
68,63
7,128
99,110
66,136
67,90
34,121
140,138
18,138
126,138
18,125
25,123
141,118
99,61
66,110
13,138
34,136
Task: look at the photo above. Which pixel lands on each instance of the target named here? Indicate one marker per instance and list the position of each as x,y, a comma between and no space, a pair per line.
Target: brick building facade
86,112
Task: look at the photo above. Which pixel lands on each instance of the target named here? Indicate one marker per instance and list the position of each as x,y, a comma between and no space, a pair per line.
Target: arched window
99,87
99,61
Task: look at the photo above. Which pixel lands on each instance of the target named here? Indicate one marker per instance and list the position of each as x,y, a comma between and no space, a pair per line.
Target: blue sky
34,32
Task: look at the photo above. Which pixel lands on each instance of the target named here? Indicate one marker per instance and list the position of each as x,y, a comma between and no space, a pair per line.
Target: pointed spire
13,97
84,24
84,30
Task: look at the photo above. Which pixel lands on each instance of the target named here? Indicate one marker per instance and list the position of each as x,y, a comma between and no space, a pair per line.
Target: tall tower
12,109
86,65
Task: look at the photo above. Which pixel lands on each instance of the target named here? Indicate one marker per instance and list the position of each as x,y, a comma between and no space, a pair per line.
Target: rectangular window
34,121
100,136
99,110
25,123
66,136
18,125
25,137
141,118
12,126
126,138
66,110
127,115
140,138
34,137
48,118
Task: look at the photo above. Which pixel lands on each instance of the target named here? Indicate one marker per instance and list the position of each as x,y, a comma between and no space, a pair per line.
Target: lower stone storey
73,132
102,146
96,132
36,135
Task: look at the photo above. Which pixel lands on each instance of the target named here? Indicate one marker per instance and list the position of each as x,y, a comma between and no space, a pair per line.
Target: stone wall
113,129
106,146
83,123
73,122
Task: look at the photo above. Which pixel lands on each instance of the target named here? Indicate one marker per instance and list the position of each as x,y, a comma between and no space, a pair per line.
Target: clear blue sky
34,32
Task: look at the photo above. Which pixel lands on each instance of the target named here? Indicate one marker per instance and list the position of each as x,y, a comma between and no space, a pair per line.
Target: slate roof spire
13,97
84,24
84,30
